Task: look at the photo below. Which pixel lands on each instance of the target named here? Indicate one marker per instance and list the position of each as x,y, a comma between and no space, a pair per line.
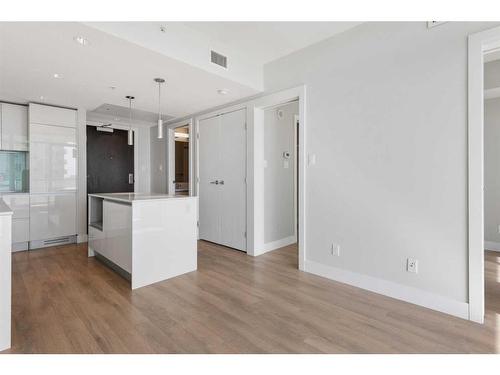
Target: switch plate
412,265
311,159
335,250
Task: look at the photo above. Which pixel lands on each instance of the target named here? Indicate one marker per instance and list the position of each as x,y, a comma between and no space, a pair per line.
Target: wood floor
64,302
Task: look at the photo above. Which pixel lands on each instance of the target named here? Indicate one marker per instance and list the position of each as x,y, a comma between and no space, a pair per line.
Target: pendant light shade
159,81
130,131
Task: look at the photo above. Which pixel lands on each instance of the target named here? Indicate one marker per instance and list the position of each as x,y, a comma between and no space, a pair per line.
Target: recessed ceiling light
163,29
81,40
57,75
117,119
42,97
222,91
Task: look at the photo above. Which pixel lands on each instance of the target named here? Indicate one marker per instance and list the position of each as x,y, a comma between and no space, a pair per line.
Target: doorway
480,45
181,141
110,161
280,175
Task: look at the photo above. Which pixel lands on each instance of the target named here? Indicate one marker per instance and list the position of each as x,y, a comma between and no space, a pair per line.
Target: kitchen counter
146,238
133,197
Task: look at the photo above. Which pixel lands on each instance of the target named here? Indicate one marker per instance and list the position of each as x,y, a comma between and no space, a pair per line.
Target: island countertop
134,197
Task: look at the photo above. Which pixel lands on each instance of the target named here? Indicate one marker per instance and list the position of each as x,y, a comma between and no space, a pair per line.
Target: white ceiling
128,55
32,52
263,42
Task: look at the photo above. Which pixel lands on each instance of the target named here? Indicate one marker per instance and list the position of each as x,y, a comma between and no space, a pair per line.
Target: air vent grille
218,59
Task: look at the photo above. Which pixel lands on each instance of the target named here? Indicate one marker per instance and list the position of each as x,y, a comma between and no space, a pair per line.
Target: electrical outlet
335,250
412,265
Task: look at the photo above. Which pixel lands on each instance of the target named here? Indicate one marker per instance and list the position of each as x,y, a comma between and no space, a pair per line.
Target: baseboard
270,246
493,246
391,289
80,238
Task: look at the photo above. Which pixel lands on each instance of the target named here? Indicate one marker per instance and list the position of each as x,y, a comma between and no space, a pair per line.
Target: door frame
136,149
478,44
170,142
258,106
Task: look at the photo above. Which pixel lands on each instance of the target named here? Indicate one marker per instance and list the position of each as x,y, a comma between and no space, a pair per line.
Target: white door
222,186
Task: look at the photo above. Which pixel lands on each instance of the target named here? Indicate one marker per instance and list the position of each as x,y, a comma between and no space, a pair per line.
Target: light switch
311,159
286,164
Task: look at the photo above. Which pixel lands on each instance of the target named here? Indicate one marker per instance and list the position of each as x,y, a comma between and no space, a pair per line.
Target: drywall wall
158,162
144,159
492,173
279,197
492,74
386,118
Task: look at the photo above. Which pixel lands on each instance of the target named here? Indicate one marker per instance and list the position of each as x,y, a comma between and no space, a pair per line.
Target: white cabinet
52,215
53,166
117,225
49,115
20,205
14,125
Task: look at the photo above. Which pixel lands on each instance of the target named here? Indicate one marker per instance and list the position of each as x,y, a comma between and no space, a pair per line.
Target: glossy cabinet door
117,227
50,115
53,163
14,120
19,203
52,215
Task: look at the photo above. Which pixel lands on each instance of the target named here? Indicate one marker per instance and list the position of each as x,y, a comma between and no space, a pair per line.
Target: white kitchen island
144,237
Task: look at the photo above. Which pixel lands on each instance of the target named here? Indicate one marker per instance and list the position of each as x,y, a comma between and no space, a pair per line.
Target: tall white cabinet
14,127
53,175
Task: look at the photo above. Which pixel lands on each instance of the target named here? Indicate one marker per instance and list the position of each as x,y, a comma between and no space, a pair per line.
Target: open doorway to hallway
281,142
181,155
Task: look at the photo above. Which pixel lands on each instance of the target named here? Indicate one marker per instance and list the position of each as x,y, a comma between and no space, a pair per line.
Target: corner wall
386,115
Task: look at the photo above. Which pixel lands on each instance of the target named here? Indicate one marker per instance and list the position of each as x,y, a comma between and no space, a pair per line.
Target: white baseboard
391,289
80,238
270,246
493,246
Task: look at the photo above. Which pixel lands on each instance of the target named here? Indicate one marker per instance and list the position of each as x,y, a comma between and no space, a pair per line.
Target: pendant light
130,131
159,81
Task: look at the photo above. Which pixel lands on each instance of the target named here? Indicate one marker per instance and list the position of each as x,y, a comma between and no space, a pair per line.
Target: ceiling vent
218,59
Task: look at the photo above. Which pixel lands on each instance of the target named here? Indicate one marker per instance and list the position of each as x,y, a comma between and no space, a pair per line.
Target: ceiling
263,42
122,58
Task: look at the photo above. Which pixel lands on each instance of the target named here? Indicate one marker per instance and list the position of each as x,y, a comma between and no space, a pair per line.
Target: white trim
493,246
81,238
391,289
478,44
270,246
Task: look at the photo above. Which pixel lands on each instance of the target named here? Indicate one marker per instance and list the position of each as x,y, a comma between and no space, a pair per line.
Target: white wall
158,162
279,197
492,172
386,118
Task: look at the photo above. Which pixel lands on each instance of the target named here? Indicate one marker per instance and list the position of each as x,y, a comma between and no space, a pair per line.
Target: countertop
135,197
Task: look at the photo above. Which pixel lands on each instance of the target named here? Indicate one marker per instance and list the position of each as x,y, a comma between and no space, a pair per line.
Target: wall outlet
335,250
412,265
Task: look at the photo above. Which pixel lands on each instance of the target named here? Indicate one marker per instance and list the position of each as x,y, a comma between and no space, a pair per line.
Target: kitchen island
146,238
